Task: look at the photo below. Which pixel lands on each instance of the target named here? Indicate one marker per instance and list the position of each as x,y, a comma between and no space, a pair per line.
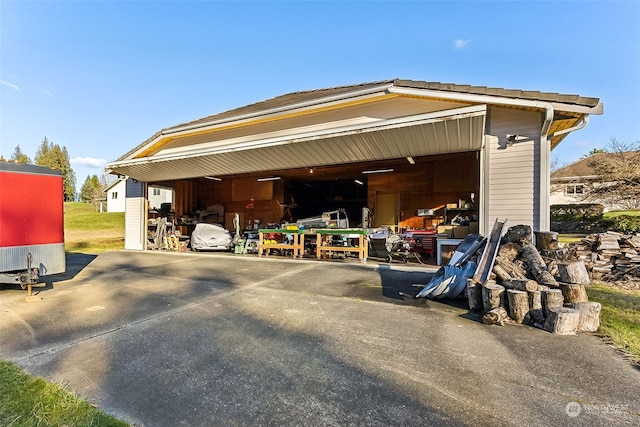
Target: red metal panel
31,209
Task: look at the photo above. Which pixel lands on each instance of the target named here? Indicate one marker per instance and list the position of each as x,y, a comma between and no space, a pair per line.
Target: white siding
156,201
512,173
116,196
135,223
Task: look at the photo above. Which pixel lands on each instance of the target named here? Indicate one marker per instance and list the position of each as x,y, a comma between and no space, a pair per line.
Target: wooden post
574,293
497,316
574,272
492,297
562,321
474,295
551,298
518,305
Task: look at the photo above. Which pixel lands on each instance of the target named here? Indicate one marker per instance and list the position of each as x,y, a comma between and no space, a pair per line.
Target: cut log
509,251
520,234
574,272
562,321
512,269
551,298
474,295
501,273
537,267
497,316
573,293
518,305
536,314
589,316
492,297
546,240
521,284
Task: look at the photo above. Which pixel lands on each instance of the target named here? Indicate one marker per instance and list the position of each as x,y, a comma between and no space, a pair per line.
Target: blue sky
99,77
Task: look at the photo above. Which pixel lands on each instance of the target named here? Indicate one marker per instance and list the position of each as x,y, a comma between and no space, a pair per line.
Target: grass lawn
88,231
613,214
31,401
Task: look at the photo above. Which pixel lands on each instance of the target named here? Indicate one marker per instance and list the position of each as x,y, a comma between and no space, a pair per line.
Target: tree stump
497,316
521,284
537,266
562,321
551,298
536,314
518,305
573,293
474,295
546,240
492,297
574,272
589,320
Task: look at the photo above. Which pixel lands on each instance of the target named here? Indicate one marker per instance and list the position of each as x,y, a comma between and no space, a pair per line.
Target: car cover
208,237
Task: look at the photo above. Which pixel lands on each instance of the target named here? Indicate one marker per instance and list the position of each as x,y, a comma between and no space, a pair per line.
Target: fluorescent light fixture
273,178
213,178
410,160
357,181
378,171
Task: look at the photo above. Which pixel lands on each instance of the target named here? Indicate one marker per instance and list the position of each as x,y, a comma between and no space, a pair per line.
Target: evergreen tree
19,156
56,157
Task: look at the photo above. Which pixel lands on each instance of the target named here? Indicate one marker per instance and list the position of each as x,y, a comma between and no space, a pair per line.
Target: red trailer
31,223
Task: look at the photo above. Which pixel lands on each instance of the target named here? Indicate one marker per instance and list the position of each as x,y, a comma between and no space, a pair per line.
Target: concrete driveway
169,339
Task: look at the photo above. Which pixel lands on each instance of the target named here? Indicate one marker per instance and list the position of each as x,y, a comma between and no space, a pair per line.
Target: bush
578,212
627,224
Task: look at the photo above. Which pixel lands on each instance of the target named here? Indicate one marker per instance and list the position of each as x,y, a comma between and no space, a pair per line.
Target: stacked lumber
523,290
610,257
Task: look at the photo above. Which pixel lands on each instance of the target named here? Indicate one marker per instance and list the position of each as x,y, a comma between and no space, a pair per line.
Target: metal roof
370,121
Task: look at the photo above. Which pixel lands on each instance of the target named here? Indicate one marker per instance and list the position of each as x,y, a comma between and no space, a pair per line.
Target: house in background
116,195
570,184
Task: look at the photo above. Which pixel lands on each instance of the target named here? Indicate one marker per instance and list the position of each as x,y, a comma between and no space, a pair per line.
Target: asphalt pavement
207,339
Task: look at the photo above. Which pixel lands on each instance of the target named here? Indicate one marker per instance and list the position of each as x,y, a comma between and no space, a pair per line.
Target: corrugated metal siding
513,184
135,223
49,258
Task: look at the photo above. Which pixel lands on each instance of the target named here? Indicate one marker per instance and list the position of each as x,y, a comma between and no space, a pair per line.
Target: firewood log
546,240
518,305
551,298
573,272
509,251
536,313
562,321
497,316
474,295
492,297
521,284
589,319
573,293
520,234
537,267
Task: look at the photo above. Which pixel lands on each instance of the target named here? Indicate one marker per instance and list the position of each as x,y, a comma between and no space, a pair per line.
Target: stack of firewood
610,256
523,289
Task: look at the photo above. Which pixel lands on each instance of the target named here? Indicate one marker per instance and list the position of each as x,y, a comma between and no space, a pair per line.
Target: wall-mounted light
273,178
411,161
310,170
378,171
357,181
213,178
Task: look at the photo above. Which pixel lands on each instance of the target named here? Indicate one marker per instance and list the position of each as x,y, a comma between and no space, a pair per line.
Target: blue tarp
448,282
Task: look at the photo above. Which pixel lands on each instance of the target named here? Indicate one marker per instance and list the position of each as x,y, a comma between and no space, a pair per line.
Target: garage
400,154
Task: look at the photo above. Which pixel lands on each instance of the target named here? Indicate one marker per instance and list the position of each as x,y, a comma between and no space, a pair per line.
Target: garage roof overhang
453,130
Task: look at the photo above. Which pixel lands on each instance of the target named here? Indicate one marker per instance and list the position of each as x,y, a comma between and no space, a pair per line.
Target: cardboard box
446,230
452,205
460,231
474,227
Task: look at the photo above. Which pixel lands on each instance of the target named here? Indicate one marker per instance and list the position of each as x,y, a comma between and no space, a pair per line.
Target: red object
422,241
31,205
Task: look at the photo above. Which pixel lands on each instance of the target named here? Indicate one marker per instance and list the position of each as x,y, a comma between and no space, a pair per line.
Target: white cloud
461,43
46,92
90,162
10,85
580,144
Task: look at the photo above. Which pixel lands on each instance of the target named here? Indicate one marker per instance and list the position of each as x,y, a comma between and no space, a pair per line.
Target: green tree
92,190
56,157
19,156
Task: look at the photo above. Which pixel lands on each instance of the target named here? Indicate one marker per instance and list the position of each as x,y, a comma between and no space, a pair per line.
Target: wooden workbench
297,246
361,234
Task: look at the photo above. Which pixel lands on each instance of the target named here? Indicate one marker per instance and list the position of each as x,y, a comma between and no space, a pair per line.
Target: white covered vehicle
210,237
